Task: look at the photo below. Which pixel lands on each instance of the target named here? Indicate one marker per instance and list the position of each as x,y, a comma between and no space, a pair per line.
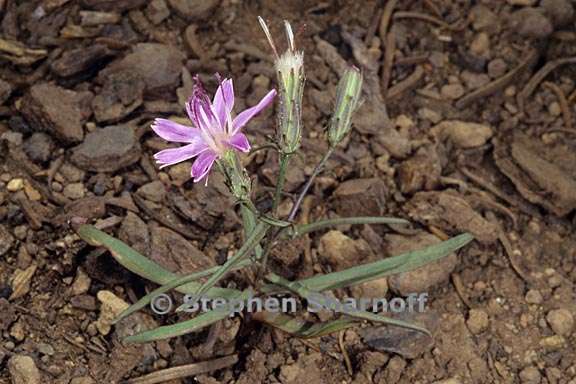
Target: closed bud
347,96
290,70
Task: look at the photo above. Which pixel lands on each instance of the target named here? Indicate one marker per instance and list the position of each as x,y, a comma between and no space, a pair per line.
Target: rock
560,11
107,150
158,65
421,279
484,19
534,296
134,232
342,252
93,18
85,302
561,321
15,185
531,23
111,307
121,94
480,45
543,174
522,3
7,314
74,191
45,349
23,370
154,191
474,80
193,9
39,147
55,110
553,343
21,281
405,342
5,91
113,5
497,68
18,332
477,321
463,134
360,197
81,283
157,11
7,241
452,91
530,375
420,172
449,211
81,60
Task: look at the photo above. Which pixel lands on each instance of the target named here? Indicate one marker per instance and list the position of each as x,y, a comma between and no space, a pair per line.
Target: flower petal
202,165
171,131
246,115
223,101
199,108
240,142
176,155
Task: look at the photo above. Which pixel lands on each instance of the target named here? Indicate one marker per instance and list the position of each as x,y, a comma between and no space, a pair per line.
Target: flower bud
236,176
347,96
290,70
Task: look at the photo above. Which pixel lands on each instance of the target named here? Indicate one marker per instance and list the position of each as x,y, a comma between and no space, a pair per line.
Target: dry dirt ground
466,125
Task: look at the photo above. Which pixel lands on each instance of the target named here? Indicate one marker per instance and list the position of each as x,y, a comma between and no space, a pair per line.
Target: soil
467,124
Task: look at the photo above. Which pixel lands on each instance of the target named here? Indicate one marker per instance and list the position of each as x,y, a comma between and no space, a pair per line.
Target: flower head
213,132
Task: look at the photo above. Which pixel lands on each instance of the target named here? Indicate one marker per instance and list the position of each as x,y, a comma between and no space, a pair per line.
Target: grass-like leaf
302,328
305,293
323,224
195,324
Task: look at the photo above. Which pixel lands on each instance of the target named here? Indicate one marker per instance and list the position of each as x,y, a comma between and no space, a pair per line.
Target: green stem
284,160
249,222
321,224
315,173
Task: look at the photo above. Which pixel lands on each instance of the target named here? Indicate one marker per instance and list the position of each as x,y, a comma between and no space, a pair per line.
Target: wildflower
290,69
347,95
214,133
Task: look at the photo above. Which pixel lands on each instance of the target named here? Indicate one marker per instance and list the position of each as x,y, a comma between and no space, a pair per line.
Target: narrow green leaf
187,326
141,265
389,266
144,301
305,293
323,224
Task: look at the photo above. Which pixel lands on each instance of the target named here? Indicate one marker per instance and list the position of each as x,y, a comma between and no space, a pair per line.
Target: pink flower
213,133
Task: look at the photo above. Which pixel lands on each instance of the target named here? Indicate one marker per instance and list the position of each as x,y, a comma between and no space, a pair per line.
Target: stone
474,80
530,375
113,5
421,279
157,11
553,343
522,3
7,241
452,91
534,296
23,370
420,172
531,23
360,197
342,252
561,321
480,45
82,380
81,60
484,19
5,91
159,66
477,321
55,110
39,147
193,9
107,150
154,191
15,185
74,191
121,94
111,307
497,68
560,11
81,283
463,134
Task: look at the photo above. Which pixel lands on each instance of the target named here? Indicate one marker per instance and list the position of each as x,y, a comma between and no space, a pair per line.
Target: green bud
347,96
290,69
237,178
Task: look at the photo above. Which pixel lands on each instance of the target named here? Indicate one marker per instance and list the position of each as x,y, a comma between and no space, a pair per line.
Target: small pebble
477,321
452,91
530,375
74,191
561,321
15,185
497,68
534,296
552,343
554,109
23,370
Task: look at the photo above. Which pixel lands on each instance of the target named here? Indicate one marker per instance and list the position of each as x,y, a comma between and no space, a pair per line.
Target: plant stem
308,184
284,159
318,225
249,222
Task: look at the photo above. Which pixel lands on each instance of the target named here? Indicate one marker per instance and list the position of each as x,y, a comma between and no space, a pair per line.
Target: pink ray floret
213,131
